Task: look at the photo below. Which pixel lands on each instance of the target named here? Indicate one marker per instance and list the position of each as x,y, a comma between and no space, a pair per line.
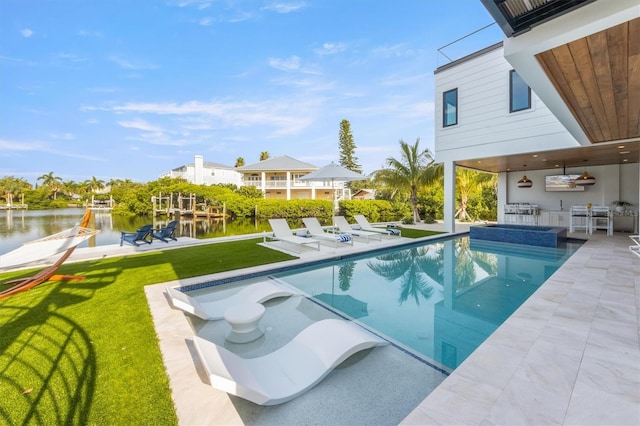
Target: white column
263,182
449,196
288,185
503,197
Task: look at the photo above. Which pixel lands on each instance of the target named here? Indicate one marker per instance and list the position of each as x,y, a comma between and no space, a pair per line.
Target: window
450,108
519,93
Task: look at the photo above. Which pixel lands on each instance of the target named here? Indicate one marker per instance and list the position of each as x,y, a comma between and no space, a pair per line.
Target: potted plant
621,206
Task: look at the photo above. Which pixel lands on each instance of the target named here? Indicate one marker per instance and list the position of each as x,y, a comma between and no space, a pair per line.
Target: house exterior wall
485,125
203,173
486,128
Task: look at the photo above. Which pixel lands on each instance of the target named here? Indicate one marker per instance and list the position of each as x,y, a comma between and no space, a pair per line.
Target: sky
131,89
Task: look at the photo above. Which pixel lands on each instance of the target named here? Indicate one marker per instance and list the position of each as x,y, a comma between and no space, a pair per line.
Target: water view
20,226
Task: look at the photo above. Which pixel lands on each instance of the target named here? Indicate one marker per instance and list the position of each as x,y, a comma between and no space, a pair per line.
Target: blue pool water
441,299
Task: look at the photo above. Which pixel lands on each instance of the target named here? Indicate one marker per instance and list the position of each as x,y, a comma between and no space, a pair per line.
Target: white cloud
394,51
63,136
284,7
289,64
70,57
205,22
331,49
7,145
140,125
26,33
124,63
85,33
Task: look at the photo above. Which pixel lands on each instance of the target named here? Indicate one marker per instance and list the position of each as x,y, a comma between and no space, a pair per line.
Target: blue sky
131,89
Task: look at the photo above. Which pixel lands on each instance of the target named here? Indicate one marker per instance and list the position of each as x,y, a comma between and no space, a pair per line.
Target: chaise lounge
345,227
289,371
282,232
315,229
214,310
366,226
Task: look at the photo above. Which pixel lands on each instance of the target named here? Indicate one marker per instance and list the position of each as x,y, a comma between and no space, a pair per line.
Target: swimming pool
438,300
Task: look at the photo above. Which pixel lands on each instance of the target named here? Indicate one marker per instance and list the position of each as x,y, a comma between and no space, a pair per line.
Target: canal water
20,226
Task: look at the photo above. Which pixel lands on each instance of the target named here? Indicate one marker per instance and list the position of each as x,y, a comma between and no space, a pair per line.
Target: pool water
439,300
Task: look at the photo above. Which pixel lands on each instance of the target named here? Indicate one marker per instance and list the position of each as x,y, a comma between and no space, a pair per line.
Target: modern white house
558,97
203,172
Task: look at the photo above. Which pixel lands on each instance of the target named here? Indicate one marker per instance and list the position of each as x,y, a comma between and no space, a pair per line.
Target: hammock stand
77,234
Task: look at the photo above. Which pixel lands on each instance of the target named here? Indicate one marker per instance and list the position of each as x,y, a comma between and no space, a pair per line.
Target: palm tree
264,155
52,182
11,185
466,181
415,169
411,267
96,184
239,162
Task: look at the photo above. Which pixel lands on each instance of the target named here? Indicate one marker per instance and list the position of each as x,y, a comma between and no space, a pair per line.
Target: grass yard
86,352
417,233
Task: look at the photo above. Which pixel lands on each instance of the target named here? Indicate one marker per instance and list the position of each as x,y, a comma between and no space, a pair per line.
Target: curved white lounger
289,371
214,310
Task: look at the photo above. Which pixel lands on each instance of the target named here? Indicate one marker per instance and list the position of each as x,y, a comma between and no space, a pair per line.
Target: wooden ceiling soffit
598,77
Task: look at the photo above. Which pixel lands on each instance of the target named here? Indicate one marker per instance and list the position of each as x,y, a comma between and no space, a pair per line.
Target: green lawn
85,352
417,233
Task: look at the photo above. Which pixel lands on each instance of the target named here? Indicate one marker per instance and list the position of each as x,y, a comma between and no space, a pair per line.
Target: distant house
364,194
279,178
206,173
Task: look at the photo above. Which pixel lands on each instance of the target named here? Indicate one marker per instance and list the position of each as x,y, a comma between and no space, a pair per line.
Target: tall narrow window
519,93
450,108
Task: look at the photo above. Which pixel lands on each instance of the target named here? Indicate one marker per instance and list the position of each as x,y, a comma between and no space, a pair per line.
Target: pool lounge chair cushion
214,310
289,371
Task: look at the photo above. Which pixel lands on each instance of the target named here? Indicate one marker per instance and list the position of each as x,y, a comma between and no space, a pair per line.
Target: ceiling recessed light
620,146
624,152
535,155
625,160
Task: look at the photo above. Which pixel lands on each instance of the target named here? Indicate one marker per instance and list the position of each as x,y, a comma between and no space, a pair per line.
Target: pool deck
570,355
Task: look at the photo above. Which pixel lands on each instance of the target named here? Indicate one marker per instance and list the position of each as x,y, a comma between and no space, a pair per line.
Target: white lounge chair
214,310
366,226
345,227
635,248
316,231
282,232
289,371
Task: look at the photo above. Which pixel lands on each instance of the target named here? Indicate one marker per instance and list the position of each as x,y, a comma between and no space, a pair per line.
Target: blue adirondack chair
142,235
167,233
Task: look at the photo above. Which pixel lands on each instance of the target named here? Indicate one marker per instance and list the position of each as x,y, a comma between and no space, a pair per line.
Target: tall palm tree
52,182
96,184
264,155
415,169
466,182
411,267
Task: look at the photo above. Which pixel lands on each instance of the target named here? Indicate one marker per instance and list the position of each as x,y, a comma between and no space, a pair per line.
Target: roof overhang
582,59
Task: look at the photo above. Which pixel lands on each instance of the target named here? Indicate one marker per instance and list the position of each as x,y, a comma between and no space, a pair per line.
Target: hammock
65,241
46,247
